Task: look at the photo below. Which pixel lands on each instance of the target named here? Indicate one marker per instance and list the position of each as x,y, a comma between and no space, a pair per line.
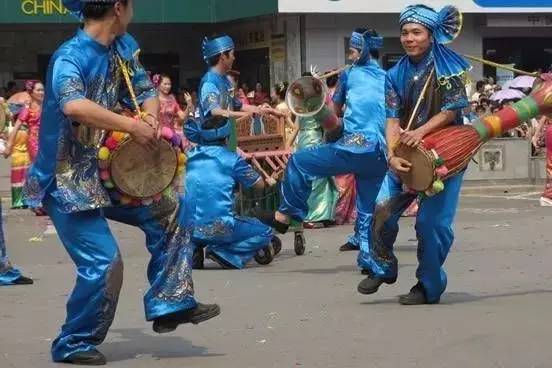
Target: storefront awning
146,11
395,6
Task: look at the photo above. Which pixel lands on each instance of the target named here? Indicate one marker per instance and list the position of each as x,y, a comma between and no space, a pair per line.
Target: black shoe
416,296
92,357
220,261
198,258
23,280
348,247
201,313
269,218
371,284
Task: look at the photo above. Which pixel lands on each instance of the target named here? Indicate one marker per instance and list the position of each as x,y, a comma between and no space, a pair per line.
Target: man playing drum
84,83
360,150
423,33
213,171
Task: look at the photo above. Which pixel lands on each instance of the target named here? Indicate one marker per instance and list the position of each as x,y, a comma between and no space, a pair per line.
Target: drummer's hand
412,138
144,134
263,110
399,164
270,181
153,122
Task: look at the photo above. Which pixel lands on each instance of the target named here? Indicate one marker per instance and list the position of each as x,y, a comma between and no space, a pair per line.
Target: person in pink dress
22,143
171,114
30,116
260,97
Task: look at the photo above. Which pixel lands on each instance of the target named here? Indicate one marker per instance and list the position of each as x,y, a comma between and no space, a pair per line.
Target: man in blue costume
9,275
213,171
355,50
360,149
84,83
423,33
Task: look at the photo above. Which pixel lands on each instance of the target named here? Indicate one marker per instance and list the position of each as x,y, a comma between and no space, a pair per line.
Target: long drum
448,151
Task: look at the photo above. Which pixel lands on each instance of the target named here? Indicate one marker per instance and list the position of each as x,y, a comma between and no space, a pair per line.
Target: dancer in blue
9,275
84,83
213,171
423,33
360,149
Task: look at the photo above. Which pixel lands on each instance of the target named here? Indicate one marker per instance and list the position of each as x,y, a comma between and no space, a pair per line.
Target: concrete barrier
505,159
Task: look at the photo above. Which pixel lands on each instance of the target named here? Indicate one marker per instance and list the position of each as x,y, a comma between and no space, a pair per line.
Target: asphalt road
305,311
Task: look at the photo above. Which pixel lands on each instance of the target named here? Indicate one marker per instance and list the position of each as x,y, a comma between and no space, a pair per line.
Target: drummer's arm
453,100
340,95
437,122
91,114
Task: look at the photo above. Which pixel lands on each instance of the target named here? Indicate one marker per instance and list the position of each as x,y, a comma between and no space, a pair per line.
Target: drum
448,151
441,154
134,174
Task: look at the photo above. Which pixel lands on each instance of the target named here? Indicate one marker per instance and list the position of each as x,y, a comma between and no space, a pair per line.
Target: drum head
421,173
140,172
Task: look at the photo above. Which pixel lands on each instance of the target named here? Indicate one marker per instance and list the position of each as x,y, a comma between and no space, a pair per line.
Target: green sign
146,11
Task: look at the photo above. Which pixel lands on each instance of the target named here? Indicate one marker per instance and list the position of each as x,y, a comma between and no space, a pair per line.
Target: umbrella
507,94
523,81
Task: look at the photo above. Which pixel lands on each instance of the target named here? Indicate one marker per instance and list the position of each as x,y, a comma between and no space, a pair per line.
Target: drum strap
126,75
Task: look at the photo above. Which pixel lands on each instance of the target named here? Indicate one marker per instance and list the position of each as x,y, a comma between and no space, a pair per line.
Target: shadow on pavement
459,298
136,343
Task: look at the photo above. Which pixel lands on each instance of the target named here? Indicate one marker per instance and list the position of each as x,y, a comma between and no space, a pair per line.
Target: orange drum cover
420,176
140,172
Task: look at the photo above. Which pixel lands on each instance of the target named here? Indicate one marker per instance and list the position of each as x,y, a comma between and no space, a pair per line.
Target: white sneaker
545,202
50,230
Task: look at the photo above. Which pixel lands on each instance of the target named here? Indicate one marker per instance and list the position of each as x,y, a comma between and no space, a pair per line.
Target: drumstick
271,163
501,66
259,168
420,99
280,162
332,73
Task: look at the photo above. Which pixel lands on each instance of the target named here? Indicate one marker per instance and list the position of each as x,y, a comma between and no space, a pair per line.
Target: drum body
142,173
441,155
139,175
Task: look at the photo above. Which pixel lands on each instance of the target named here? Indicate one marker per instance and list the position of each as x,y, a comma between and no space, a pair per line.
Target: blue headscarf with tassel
76,6
365,43
216,46
445,26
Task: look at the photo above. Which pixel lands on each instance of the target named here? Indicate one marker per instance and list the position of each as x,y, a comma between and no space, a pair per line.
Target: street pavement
304,311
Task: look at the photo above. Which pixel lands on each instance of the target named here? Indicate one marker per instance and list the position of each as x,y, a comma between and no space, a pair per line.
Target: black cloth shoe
269,218
371,284
416,296
348,247
23,280
92,357
201,313
220,261
198,258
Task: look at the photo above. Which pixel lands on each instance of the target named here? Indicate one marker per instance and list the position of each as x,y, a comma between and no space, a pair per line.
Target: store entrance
530,54
254,66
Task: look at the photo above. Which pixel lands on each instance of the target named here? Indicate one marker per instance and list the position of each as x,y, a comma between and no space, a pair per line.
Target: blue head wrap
76,6
197,135
365,43
445,26
216,46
